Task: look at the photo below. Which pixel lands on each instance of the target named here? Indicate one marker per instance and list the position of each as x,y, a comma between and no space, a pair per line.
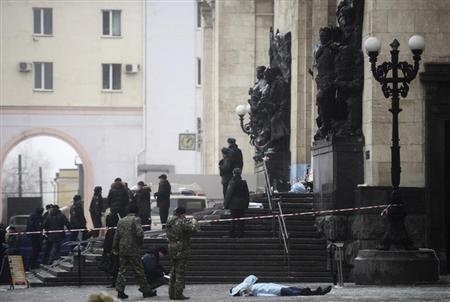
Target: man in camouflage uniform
179,230
127,244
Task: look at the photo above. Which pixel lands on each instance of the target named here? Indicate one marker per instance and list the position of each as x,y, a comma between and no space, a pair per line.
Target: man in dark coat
225,169
34,224
235,154
153,269
77,219
142,200
127,244
55,221
47,246
96,210
118,199
110,262
163,198
237,200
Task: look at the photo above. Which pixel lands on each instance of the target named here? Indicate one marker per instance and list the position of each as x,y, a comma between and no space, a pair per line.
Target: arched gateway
7,146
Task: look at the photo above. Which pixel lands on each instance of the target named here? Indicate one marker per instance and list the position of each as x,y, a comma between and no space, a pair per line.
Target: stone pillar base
396,267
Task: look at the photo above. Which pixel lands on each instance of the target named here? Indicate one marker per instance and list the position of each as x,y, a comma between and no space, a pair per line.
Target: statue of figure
258,114
349,84
340,74
325,78
349,18
276,99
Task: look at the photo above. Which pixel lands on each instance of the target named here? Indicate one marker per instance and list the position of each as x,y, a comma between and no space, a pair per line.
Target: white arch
87,164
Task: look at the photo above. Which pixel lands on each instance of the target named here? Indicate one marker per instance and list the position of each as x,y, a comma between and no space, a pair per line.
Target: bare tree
32,159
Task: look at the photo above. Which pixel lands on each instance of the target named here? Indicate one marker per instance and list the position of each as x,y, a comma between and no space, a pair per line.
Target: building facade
66,181
74,71
173,89
235,42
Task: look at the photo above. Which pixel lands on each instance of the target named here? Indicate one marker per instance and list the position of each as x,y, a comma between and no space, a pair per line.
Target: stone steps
227,260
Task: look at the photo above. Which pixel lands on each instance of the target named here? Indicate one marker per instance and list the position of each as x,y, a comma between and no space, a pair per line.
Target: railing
283,232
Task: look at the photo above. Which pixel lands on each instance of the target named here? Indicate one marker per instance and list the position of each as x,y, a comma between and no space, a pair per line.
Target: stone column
209,148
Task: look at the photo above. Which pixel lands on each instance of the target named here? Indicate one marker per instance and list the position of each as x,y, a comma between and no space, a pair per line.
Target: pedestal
338,167
396,267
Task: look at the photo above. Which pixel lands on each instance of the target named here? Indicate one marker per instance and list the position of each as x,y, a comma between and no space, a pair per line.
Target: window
199,14
111,76
43,76
111,23
199,71
42,21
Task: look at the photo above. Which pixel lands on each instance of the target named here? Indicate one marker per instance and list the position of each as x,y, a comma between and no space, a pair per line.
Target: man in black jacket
34,224
235,154
55,221
96,210
77,219
142,200
163,199
225,169
154,272
237,200
118,200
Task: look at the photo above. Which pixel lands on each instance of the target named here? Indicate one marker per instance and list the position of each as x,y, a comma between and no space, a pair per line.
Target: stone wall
236,40
401,19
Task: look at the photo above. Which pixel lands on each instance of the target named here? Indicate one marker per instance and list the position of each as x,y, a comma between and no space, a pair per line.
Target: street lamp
394,85
241,111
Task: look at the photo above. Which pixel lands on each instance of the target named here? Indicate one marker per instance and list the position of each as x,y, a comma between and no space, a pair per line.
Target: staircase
228,260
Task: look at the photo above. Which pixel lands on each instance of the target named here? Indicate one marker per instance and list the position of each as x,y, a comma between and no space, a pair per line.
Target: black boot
150,294
326,290
122,295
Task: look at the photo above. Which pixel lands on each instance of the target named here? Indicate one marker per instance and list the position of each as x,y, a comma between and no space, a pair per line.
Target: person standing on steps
163,198
118,199
96,210
235,154
179,230
142,200
127,244
226,169
77,220
236,200
34,224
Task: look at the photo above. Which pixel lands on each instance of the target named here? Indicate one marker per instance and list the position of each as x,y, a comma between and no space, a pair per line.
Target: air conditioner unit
25,67
131,68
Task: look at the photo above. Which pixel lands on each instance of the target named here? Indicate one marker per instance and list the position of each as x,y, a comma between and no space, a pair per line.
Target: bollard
339,257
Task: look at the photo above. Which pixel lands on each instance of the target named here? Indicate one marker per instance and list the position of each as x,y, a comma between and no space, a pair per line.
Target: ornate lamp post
395,86
241,111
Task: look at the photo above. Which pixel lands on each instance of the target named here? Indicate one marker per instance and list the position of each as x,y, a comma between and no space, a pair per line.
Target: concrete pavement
219,292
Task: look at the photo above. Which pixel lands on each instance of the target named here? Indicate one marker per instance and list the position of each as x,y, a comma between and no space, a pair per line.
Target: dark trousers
55,250
48,248
74,237
163,214
145,220
237,226
97,222
224,187
36,246
293,291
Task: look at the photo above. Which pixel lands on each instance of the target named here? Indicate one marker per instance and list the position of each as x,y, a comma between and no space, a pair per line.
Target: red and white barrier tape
313,213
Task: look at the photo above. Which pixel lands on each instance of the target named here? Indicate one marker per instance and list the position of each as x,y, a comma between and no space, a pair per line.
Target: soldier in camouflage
127,244
179,230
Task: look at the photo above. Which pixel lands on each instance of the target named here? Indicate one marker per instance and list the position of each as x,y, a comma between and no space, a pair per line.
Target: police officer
163,198
179,230
127,244
235,154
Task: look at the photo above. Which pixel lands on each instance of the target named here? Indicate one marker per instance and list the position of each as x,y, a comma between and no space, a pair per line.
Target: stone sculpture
339,74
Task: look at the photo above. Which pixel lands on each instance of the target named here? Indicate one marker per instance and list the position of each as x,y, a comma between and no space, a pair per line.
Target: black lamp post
241,111
395,86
